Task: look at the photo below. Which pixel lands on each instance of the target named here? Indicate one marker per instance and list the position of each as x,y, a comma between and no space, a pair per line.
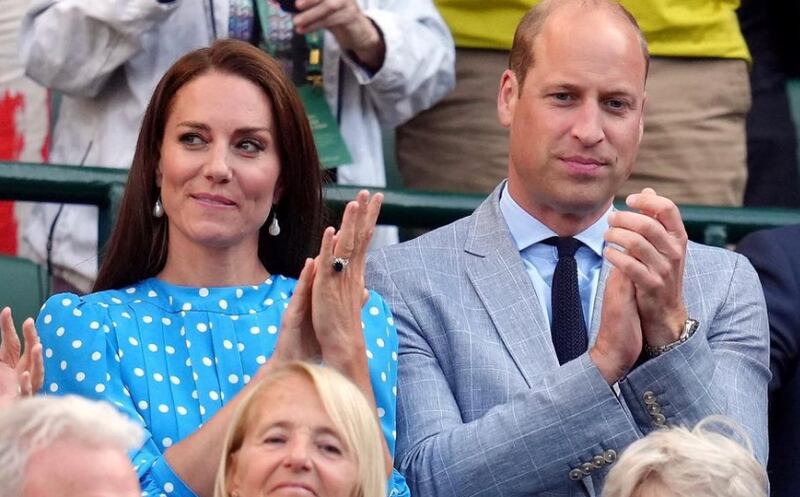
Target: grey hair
707,461
33,423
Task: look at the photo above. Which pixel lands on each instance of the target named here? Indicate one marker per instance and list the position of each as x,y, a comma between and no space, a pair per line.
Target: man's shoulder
784,236
716,267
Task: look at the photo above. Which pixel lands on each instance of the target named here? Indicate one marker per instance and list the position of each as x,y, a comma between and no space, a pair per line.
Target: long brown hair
137,248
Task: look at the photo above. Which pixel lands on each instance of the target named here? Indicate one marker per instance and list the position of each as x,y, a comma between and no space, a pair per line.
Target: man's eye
562,97
616,104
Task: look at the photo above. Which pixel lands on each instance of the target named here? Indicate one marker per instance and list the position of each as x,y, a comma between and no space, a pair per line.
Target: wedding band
340,263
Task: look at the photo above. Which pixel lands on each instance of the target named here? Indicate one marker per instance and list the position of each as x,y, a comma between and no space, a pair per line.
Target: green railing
406,208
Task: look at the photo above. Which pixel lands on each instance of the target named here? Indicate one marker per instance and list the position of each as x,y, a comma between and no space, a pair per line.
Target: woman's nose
298,456
217,167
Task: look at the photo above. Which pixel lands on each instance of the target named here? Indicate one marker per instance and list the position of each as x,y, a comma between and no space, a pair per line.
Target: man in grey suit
520,375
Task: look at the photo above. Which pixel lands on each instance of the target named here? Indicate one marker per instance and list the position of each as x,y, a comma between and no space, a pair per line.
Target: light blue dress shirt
540,258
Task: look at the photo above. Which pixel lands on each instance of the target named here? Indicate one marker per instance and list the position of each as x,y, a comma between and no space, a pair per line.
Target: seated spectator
21,373
198,289
378,63
546,332
307,427
66,446
774,255
678,462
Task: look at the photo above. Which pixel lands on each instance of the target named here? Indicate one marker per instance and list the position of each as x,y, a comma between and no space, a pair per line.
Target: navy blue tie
568,329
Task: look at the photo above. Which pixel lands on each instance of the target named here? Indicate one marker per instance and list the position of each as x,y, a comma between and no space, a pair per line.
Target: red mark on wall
11,144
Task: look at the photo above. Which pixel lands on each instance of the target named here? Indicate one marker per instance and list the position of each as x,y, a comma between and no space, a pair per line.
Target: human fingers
659,208
301,297
364,297
619,339
36,368
25,386
372,211
346,235
635,245
656,234
10,348
31,340
319,14
630,267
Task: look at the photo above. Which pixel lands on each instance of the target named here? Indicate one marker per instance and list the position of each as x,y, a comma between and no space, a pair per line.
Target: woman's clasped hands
323,319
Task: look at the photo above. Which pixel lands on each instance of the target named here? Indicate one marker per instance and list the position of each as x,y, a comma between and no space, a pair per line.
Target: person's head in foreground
66,446
305,428
573,101
678,462
225,148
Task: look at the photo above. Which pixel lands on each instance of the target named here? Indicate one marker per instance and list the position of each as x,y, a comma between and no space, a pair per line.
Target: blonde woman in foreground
704,462
304,428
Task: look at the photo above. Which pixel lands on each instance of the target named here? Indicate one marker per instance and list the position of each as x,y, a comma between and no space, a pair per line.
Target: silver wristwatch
689,327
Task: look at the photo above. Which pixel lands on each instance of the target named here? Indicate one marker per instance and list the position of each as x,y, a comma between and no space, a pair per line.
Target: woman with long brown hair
197,293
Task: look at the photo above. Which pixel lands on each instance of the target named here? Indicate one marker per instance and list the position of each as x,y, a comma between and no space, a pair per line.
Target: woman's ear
230,474
158,175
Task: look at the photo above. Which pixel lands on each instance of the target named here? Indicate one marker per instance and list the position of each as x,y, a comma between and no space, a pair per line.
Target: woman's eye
274,440
192,139
251,146
331,449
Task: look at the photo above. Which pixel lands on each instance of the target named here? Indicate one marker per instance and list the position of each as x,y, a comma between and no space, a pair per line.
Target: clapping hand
21,373
654,241
323,319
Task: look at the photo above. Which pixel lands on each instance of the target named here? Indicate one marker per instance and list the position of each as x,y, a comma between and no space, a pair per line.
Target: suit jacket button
610,456
649,397
654,409
660,419
598,462
587,468
575,474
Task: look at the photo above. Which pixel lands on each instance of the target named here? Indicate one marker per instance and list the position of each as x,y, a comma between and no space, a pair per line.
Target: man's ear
507,97
641,118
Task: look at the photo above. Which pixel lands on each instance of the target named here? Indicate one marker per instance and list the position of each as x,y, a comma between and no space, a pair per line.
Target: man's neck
562,221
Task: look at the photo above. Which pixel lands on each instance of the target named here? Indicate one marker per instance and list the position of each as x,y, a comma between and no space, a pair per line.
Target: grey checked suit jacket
485,409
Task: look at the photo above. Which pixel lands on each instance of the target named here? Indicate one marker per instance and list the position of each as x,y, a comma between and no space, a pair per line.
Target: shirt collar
526,230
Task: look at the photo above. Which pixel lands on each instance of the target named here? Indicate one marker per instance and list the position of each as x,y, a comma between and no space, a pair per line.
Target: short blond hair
704,462
351,414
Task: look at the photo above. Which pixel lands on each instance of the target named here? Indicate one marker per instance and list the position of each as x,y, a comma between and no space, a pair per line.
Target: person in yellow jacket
694,147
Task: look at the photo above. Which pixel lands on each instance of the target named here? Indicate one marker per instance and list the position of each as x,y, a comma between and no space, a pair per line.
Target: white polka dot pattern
170,357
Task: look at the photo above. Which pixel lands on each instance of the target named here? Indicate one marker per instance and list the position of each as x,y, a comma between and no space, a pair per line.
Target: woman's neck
199,266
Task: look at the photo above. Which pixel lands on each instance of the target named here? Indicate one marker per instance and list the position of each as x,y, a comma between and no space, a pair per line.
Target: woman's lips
213,200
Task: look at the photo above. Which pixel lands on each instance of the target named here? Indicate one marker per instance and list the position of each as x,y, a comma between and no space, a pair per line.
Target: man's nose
588,125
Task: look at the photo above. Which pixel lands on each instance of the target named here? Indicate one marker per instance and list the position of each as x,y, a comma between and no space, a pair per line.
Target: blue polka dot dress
170,357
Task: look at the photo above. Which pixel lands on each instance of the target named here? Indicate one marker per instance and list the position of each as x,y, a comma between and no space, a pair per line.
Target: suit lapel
497,272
